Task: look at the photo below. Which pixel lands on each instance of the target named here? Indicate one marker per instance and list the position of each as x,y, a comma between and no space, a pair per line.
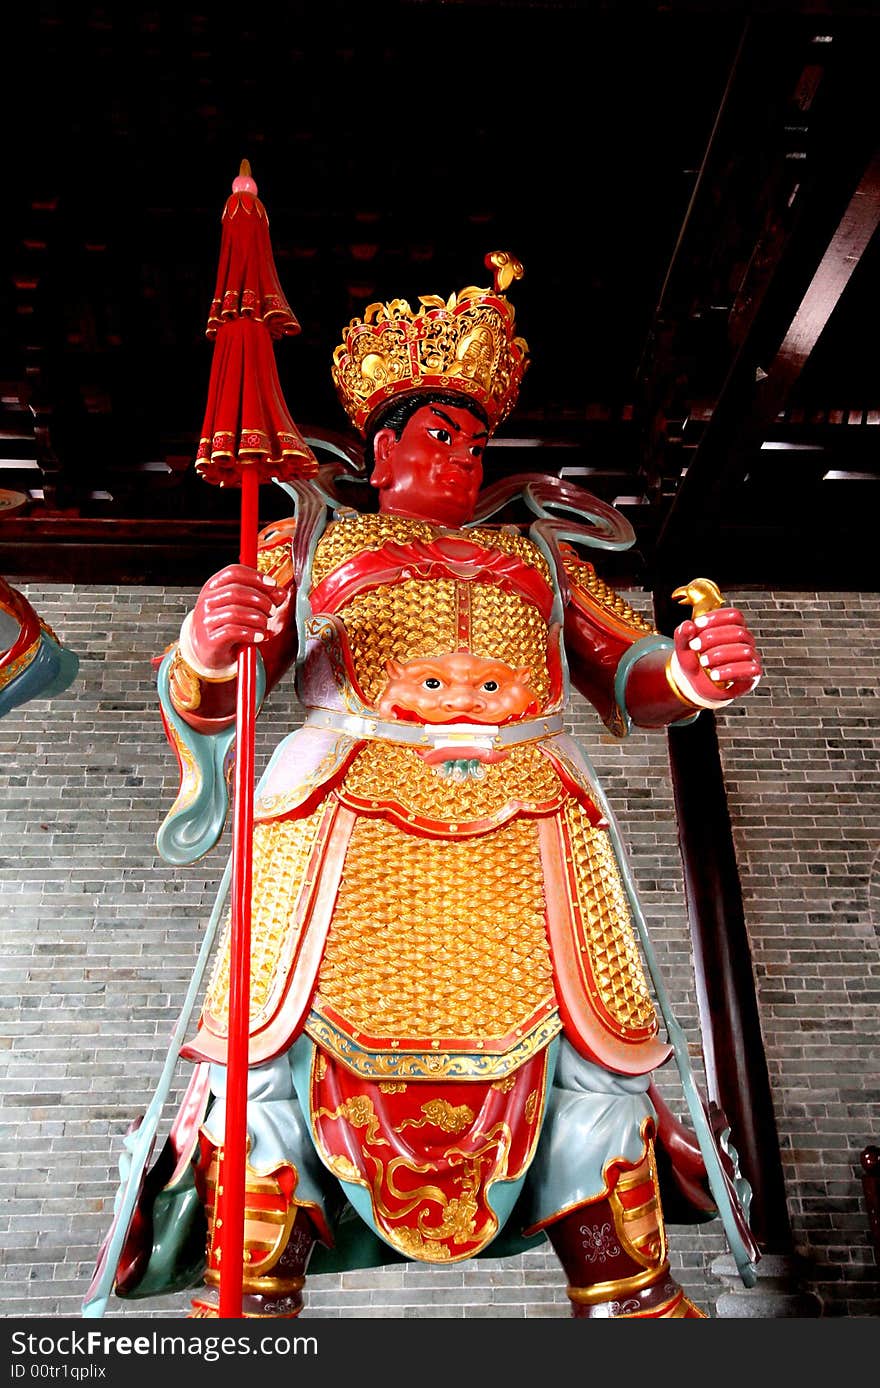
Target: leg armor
613,1249
278,1240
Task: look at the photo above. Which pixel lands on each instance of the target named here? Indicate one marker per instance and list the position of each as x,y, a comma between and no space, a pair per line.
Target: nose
461,453
461,700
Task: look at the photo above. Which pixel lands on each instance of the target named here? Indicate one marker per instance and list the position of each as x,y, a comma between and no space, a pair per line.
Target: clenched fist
236,607
716,659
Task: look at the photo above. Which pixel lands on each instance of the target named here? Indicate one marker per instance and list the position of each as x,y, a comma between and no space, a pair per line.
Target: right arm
236,607
197,674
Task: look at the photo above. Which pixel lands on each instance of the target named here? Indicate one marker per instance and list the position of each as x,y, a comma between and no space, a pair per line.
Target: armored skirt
420,946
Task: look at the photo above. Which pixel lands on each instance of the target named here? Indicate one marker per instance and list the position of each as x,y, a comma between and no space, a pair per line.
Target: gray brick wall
801,770
100,936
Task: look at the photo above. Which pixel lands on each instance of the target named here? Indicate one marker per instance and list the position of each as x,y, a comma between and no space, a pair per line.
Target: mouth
454,740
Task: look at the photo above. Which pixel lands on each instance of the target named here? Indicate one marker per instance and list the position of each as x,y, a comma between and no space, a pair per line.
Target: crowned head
466,344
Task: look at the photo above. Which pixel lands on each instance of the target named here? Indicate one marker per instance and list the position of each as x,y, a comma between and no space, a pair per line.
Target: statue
34,664
452,1032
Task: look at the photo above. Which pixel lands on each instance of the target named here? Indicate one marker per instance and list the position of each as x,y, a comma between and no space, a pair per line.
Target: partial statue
34,663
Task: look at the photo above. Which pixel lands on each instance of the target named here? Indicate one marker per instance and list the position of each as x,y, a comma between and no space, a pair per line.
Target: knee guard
614,1252
278,1240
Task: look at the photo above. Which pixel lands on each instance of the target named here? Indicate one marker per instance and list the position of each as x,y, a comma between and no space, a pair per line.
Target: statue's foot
202,1310
662,1299
207,1307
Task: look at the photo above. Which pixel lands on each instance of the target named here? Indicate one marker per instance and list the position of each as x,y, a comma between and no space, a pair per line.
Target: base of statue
779,1291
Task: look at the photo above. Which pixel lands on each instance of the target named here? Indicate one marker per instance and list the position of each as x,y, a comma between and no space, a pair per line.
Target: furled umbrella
248,437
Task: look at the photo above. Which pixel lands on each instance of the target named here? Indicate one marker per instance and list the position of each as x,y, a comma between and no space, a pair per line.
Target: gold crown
465,343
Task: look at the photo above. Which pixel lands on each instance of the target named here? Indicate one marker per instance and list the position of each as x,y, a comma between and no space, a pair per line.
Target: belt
437,735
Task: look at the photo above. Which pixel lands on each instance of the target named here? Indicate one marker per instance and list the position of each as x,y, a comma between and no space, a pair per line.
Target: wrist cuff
684,689
188,655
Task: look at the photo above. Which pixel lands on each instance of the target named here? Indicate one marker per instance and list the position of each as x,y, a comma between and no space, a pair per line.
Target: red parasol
248,437
247,423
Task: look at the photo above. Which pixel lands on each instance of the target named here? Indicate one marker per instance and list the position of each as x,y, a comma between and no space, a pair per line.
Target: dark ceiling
693,190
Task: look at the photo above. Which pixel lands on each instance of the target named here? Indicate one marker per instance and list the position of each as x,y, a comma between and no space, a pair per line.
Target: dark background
692,189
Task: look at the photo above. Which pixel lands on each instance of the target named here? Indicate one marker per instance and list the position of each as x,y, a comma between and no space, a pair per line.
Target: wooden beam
71,550
847,246
753,398
733,237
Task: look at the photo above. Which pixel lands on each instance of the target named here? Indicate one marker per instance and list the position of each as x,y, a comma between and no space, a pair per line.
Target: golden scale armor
440,897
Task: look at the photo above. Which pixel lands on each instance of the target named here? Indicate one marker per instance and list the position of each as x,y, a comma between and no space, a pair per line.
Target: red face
434,471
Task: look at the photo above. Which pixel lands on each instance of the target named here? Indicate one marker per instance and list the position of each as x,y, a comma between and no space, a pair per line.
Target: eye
441,435
432,683
490,686
477,450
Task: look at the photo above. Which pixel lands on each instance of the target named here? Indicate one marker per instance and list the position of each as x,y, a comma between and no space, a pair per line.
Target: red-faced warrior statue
452,1024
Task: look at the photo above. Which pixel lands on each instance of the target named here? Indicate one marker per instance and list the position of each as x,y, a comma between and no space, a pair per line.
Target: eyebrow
478,434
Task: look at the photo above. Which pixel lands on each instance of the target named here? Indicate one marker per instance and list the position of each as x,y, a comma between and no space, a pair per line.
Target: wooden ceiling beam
848,244
734,235
753,397
69,549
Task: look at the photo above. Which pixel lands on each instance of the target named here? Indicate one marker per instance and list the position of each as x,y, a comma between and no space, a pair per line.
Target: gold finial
506,269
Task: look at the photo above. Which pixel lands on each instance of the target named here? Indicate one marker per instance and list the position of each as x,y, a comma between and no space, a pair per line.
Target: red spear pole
232,1184
248,437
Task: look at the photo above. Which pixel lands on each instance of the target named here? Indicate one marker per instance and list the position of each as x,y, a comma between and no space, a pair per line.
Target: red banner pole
232,1199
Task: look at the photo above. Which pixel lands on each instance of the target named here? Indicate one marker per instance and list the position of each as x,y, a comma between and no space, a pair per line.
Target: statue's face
434,471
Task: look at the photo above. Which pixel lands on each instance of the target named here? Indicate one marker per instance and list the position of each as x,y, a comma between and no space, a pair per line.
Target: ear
394,668
523,674
383,446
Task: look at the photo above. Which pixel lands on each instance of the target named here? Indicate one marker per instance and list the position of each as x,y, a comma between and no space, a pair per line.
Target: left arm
634,676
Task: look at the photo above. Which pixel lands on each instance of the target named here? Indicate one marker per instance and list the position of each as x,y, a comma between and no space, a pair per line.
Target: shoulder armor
274,550
592,593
